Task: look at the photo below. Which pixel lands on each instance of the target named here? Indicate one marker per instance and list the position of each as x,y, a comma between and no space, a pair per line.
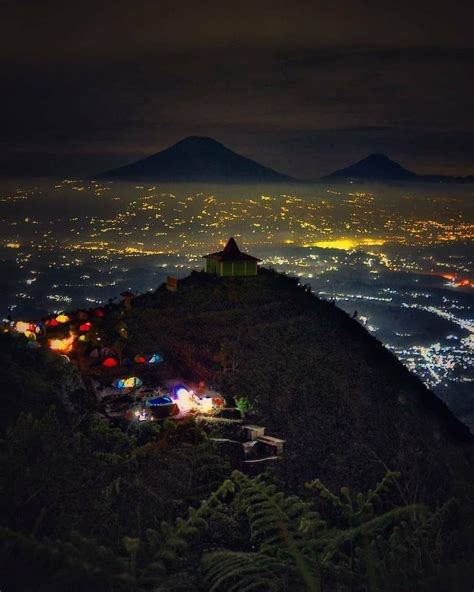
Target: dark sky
304,87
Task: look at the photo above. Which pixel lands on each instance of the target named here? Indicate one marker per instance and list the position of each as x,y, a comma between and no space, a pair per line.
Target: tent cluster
180,400
29,330
79,328
61,319
81,316
109,359
32,330
25,327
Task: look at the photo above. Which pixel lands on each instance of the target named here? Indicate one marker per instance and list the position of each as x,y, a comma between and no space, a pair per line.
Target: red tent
110,362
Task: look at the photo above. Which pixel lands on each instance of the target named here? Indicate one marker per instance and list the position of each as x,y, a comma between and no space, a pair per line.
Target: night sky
303,87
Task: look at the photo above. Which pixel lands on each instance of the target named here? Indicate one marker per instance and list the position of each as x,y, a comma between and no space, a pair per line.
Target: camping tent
110,362
162,407
62,318
155,359
124,383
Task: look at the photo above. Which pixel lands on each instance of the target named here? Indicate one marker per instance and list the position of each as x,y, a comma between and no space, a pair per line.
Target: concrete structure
274,445
253,432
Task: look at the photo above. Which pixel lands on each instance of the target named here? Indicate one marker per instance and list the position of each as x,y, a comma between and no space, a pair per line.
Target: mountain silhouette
197,159
375,166
378,167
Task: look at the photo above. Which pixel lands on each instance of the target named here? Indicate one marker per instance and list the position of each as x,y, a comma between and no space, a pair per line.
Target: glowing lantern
83,338
155,359
62,318
186,399
141,415
181,391
110,362
206,404
22,327
52,323
30,335
99,312
62,345
85,327
139,359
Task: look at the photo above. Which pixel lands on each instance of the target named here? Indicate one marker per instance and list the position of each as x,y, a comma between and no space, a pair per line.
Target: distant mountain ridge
378,167
197,159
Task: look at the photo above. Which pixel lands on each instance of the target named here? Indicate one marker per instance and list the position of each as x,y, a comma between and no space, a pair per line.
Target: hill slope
347,407
378,167
155,505
197,159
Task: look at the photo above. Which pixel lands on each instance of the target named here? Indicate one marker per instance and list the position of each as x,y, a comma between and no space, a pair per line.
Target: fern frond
242,572
335,539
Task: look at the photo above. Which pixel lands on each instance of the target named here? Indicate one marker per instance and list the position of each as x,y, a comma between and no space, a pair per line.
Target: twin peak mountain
204,160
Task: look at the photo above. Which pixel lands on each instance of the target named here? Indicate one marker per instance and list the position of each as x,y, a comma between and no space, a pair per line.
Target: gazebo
231,262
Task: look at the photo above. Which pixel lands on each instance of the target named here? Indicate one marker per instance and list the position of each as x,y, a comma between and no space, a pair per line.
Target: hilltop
346,406
197,159
156,505
378,167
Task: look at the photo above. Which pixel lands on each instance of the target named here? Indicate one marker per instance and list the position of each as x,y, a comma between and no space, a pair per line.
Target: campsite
156,433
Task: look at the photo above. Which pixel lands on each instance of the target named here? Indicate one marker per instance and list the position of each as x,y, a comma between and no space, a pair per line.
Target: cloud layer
304,88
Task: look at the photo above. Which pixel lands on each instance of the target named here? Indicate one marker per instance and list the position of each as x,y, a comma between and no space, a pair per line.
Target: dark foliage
85,506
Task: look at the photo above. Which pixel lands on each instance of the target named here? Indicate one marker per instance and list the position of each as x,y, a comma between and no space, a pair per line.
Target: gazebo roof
231,252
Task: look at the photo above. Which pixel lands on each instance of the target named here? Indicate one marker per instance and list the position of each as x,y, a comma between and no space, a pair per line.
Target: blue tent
162,407
155,359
